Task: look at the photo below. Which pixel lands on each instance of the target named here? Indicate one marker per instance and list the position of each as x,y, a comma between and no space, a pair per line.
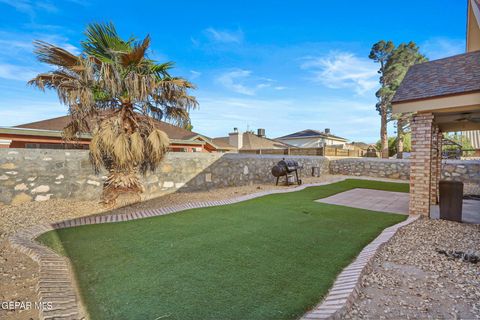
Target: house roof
29,132
58,124
222,143
312,133
361,145
252,142
449,76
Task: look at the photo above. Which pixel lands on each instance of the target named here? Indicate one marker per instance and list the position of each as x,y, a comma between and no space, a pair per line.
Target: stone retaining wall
458,170
371,167
467,171
39,174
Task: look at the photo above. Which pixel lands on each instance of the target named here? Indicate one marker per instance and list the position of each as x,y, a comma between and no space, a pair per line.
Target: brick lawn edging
57,285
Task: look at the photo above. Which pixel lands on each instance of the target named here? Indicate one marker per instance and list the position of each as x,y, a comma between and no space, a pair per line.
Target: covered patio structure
443,96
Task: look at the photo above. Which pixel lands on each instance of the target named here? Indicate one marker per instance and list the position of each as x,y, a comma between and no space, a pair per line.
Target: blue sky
280,65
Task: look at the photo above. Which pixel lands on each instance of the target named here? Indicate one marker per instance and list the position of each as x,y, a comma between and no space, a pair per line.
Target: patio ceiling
458,121
453,113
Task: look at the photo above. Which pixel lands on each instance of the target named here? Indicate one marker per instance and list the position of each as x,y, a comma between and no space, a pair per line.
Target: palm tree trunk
119,182
383,133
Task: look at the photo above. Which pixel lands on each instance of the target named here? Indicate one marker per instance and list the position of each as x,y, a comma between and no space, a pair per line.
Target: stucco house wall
312,142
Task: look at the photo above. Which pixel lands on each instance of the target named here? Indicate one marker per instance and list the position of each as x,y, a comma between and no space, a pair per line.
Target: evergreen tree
401,59
394,63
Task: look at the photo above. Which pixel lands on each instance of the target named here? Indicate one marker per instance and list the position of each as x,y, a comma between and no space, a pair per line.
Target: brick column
421,164
436,164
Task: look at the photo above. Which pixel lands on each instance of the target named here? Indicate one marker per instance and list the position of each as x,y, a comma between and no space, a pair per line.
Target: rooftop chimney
327,130
261,133
235,138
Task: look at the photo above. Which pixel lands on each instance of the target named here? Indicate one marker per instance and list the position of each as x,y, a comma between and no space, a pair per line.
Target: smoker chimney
235,138
261,133
327,130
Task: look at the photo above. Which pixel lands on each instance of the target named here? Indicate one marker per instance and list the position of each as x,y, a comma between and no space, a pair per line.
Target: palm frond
158,143
121,151
136,54
96,155
51,54
161,69
103,42
137,147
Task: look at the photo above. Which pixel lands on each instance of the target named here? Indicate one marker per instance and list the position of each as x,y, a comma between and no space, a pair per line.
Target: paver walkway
376,200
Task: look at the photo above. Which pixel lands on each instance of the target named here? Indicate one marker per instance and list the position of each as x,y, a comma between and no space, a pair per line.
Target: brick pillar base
421,164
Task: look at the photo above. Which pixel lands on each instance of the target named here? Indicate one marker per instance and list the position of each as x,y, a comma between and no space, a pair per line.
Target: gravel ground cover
410,279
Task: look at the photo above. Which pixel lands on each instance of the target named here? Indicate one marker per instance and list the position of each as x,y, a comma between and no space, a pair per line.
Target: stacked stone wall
38,175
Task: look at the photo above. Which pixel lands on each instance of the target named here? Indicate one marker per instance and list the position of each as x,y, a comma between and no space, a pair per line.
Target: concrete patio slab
375,200
470,211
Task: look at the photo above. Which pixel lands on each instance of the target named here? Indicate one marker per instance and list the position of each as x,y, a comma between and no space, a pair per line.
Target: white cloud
14,72
46,6
30,7
438,48
17,60
351,118
225,36
279,88
343,70
243,82
15,43
194,74
233,80
263,85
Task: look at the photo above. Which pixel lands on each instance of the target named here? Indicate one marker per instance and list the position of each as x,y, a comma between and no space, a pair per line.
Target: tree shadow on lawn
272,257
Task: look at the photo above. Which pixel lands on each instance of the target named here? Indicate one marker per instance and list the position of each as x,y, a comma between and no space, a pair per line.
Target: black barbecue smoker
288,169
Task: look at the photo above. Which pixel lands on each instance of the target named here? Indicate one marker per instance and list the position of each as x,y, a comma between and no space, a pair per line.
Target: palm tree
116,92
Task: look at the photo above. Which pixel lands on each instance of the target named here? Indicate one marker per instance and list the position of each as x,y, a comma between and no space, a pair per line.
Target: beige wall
473,27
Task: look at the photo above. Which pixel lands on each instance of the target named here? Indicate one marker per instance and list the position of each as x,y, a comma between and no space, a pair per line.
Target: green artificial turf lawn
272,257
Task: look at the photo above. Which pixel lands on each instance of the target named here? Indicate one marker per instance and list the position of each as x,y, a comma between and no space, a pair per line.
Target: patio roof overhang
448,88
460,112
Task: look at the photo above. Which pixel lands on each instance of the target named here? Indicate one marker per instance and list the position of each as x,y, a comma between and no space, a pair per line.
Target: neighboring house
443,96
367,149
47,134
248,141
359,145
313,139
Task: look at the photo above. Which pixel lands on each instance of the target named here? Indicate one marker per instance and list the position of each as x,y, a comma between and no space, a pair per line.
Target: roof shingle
448,76
252,142
311,133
